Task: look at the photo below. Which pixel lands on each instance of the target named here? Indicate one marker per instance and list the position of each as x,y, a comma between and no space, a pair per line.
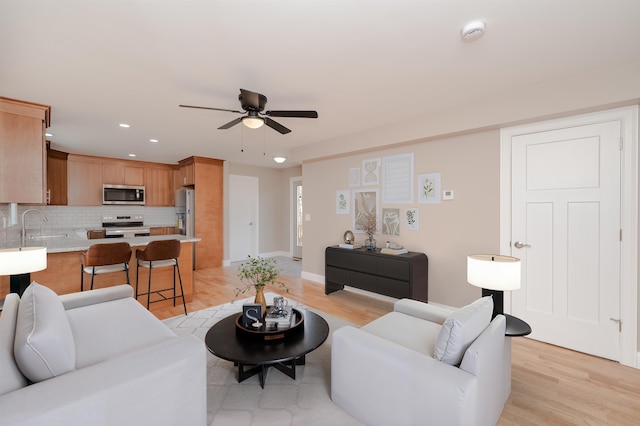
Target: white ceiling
361,64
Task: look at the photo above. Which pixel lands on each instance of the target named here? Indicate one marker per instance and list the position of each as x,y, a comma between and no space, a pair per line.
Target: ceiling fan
253,104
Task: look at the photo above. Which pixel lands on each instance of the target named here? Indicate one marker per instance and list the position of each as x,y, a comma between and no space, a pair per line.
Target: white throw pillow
44,345
461,329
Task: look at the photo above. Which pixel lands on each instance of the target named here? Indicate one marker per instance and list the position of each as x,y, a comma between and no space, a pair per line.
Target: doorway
569,212
243,217
297,218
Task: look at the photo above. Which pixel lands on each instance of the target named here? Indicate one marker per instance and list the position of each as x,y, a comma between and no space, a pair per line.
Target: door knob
519,245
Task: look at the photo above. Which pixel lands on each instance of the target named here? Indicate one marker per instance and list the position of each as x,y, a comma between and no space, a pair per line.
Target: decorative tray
266,333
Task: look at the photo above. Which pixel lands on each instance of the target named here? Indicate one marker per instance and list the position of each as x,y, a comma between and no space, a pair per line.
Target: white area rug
283,401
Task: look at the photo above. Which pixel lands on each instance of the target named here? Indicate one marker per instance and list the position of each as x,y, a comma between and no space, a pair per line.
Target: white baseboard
226,262
637,361
312,277
275,254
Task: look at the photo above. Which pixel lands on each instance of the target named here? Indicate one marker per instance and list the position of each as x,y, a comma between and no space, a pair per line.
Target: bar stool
160,254
104,259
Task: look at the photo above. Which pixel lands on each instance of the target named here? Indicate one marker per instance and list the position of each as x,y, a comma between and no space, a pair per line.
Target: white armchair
423,364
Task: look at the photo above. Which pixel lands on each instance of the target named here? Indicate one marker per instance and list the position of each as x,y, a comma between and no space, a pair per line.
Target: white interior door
566,213
297,222
243,217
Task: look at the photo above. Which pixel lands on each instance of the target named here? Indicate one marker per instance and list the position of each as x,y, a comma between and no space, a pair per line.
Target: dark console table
399,276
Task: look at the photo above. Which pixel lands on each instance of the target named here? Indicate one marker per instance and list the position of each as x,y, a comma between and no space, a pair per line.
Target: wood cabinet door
159,186
57,177
23,161
84,183
134,175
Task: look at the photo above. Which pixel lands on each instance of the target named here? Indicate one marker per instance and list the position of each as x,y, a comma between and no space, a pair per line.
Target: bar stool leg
81,278
93,274
126,271
137,268
184,302
149,285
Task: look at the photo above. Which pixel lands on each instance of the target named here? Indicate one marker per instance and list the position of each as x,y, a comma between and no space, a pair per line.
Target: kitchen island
63,264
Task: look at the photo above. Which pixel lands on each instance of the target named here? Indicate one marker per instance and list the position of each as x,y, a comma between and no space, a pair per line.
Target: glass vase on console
370,243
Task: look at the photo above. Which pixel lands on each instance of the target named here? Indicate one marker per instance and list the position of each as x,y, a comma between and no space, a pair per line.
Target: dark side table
516,327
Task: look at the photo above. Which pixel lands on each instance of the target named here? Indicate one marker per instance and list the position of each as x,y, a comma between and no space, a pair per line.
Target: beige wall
469,165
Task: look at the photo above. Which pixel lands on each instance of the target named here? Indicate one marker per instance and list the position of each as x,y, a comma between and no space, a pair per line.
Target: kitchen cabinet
206,174
57,177
23,160
162,230
159,186
119,174
84,176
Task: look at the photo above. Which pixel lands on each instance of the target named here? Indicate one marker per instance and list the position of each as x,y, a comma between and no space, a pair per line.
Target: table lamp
494,273
19,263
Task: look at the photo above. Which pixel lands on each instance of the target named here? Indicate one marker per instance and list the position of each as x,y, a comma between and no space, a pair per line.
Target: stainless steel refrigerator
185,212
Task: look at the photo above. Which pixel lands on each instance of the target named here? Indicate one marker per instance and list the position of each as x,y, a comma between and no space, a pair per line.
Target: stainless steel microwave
123,194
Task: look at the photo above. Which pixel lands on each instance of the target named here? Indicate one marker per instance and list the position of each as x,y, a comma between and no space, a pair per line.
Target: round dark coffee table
257,355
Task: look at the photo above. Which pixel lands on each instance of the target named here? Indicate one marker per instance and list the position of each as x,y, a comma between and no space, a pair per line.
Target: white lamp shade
22,260
253,122
493,271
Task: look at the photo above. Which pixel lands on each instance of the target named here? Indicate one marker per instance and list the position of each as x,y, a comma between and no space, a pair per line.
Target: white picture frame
397,179
371,171
391,222
429,188
411,218
343,201
354,176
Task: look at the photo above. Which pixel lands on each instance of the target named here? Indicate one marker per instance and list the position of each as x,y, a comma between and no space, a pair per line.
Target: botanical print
343,202
365,209
354,176
429,188
391,221
371,171
411,219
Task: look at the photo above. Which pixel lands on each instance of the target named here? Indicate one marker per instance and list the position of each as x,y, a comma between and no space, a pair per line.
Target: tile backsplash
72,217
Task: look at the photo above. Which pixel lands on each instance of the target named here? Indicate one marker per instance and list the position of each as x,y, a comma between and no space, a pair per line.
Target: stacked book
350,246
279,319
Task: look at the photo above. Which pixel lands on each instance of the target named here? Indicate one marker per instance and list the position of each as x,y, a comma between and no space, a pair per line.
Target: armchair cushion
44,346
461,328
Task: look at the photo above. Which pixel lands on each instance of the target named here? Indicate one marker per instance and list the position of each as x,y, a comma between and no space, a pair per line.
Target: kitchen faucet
24,231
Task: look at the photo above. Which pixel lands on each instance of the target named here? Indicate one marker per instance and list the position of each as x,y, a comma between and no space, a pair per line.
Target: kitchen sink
48,236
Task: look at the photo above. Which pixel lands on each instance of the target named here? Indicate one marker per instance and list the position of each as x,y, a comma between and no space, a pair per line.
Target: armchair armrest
92,297
422,310
382,383
162,384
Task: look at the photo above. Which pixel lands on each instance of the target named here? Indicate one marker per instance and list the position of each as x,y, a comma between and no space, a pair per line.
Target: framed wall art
354,176
371,171
411,219
365,208
343,202
397,179
429,188
391,221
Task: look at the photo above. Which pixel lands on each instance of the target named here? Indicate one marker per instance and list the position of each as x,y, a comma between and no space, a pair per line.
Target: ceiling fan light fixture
253,122
279,160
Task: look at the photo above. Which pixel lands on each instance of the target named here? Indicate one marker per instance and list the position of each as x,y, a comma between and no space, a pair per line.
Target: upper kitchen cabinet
159,185
84,175
57,177
119,174
23,159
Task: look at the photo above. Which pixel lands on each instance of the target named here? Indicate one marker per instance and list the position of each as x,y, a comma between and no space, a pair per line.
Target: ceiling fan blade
301,114
214,109
276,126
251,99
231,123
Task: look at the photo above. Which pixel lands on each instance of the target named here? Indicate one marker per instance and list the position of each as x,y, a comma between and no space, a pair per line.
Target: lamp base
498,300
19,282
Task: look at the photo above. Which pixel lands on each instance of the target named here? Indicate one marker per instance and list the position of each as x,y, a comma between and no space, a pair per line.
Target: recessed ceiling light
132,155
124,125
153,140
279,160
48,134
473,31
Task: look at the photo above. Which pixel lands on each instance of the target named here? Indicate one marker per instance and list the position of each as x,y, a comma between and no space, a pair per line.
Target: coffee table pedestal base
249,370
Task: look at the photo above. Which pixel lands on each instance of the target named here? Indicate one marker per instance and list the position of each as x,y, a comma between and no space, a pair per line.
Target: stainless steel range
125,226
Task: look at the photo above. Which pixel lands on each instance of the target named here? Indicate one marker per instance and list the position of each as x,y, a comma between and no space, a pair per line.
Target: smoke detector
473,31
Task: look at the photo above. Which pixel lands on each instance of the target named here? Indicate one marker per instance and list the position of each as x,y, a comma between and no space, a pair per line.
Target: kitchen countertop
55,242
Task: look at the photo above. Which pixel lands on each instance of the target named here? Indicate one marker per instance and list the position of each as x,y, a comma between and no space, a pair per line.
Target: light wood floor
550,385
